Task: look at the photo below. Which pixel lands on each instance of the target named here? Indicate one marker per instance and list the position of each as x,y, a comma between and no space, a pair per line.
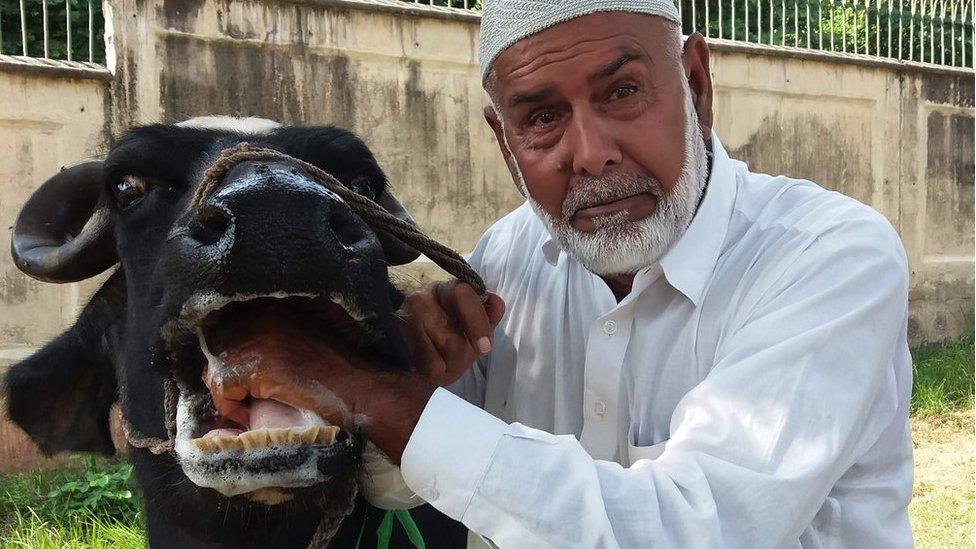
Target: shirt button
610,327
600,408
429,494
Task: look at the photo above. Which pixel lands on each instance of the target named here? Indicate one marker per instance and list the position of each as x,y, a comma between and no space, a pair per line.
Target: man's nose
592,145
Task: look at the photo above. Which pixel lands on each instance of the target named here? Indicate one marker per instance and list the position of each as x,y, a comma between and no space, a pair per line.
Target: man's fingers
461,302
430,363
495,308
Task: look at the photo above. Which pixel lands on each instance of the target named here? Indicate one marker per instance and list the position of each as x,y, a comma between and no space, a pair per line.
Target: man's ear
491,116
61,396
696,64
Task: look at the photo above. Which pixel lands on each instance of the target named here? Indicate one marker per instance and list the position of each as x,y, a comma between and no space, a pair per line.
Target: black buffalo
270,247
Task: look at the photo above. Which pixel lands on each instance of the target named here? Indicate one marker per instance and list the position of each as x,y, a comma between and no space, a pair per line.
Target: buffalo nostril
346,228
209,225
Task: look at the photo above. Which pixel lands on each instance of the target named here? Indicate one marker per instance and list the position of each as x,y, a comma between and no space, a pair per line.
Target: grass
85,505
943,378
942,504
89,532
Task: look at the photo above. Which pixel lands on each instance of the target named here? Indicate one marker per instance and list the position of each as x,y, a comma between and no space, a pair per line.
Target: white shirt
751,391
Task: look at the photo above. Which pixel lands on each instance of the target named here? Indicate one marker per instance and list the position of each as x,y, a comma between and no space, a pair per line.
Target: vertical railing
67,23
47,37
43,32
462,4
23,27
939,32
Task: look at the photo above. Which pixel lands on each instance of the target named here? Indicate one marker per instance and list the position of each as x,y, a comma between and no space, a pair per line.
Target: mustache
593,191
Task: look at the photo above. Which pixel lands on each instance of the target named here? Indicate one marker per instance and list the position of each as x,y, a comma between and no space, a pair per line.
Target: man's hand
448,328
446,325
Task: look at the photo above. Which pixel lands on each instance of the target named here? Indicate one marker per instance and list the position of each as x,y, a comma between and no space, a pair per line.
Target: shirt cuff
449,451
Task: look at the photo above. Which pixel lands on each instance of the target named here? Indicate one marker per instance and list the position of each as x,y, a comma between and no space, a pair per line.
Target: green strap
385,530
410,527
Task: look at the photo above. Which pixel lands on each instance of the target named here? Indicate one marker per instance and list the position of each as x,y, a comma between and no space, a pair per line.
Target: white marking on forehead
250,125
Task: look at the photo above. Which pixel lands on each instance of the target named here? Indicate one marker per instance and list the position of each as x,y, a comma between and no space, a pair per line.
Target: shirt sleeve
802,386
382,483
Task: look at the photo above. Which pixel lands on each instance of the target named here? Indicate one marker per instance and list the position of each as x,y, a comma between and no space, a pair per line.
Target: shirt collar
689,263
550,248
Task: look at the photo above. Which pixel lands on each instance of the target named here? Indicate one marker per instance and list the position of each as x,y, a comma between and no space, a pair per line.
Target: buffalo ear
61,396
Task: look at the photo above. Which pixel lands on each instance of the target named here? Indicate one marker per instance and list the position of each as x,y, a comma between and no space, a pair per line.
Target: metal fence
460,4
928,31
53,29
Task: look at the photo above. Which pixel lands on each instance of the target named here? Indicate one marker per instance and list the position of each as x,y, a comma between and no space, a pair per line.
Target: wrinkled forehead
590,41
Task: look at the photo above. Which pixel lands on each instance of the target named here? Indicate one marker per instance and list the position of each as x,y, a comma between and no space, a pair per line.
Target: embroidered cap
505,22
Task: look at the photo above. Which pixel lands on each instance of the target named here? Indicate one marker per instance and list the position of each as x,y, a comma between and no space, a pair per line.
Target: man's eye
623,92
129,191
544,118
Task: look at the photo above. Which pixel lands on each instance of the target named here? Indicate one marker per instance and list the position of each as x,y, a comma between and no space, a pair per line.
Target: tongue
273,414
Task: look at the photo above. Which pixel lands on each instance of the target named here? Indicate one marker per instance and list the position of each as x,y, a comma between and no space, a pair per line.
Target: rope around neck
157,445
375,216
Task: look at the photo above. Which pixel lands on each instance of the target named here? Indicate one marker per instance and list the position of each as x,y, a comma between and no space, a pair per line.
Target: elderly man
692,354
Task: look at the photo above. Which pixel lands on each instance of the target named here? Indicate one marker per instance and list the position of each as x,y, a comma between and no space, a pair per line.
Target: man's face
598,117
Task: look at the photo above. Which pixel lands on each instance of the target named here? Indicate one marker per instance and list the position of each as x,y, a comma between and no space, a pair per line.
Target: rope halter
377,217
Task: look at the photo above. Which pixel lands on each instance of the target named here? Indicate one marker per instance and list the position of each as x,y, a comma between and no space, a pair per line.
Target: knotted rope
375,216
372,213
157,445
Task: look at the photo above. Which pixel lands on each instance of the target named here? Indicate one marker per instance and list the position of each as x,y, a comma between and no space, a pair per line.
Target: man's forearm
393,409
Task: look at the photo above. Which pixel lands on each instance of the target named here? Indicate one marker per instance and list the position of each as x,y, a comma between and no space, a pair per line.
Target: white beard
621,246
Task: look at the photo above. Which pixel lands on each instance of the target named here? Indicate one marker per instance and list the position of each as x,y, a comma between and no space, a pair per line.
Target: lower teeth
263,438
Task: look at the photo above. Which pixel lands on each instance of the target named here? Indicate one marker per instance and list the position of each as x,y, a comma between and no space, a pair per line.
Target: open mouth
233,433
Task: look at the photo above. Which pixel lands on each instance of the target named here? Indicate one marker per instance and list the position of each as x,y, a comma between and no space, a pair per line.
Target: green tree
10,28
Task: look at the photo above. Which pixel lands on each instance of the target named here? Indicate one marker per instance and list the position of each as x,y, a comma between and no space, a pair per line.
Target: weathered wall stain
950,179
948,90
15,288
803,146
179,14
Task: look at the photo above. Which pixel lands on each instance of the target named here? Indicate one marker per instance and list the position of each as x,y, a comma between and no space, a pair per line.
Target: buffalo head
207,295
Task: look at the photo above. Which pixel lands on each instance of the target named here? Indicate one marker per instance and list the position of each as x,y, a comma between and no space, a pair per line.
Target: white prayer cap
505,22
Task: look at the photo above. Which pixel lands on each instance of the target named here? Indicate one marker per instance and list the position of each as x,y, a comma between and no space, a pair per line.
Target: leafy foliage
10,28
88,487
102,492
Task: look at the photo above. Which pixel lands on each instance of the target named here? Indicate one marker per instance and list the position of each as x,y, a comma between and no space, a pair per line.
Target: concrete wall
48,118
899,140
405,78
894,135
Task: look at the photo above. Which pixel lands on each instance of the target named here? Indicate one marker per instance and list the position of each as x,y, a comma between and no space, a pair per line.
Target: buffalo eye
129,191
363,186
